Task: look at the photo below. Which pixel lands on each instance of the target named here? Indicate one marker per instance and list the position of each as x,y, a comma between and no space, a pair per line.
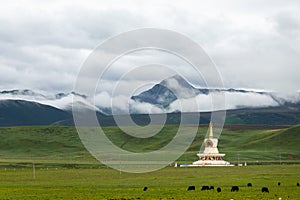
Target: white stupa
211,155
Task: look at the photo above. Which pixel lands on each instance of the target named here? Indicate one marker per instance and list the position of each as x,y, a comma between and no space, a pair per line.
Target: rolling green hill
61,146
262,145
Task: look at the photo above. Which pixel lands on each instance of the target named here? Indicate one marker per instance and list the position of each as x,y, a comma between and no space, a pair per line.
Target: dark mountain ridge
27,113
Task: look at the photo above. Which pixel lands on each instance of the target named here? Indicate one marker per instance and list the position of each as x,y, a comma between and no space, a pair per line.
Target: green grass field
168,183
55,146
65,170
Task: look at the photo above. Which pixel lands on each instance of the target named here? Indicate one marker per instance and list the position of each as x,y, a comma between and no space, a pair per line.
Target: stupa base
200,163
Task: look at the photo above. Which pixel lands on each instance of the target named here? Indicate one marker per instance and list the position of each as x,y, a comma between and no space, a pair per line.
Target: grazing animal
219,189
211,187
249,184
191,187
234,188
145,188
278,183
298,184
205,187
265,189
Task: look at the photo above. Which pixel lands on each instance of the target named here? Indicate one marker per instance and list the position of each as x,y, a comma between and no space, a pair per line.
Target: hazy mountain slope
20,112
288,114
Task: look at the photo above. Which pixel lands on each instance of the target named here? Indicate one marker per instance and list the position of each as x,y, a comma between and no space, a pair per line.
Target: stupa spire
211,133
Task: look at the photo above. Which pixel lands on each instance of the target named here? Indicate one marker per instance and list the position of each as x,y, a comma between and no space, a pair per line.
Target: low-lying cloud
200,103
254,44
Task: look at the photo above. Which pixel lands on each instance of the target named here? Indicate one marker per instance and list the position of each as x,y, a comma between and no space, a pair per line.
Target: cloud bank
254,44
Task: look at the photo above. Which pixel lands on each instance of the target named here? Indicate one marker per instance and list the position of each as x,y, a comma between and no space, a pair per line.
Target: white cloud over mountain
255,44
121,104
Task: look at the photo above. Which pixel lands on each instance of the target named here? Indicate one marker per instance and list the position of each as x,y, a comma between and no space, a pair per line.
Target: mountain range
27,107
168,91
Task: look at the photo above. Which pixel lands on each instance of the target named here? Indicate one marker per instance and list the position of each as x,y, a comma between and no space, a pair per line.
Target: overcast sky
255,44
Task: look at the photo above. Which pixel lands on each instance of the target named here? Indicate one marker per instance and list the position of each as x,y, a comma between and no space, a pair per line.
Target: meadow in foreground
168,183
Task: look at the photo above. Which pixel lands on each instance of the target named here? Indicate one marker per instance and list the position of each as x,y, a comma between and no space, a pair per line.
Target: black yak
234,188
191,187
265,189
205,187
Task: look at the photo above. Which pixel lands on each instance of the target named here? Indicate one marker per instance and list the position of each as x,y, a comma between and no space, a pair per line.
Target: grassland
168,183
65,170
61,147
